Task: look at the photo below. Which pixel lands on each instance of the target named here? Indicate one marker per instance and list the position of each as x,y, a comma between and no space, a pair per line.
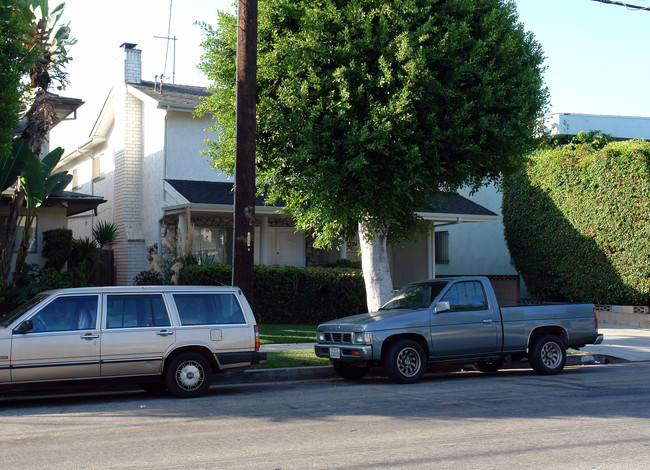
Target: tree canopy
368,109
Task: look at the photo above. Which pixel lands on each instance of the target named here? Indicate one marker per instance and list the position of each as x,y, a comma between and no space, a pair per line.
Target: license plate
335,353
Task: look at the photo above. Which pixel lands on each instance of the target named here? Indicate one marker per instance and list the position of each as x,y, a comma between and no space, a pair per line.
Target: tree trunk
376,271
10,237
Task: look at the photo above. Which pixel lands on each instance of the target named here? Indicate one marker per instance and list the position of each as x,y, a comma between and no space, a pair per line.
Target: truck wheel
350,371
188,375
405,361
548,355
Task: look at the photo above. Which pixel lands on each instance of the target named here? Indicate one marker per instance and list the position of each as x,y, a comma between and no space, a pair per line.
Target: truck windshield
418,295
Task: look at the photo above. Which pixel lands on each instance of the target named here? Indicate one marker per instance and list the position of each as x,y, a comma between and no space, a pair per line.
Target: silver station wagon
172,337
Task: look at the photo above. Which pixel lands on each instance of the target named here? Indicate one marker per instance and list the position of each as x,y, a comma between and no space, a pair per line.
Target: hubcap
408,362
551,355
189,375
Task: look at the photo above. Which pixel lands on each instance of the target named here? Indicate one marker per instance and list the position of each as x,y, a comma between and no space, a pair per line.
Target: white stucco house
481,249
143,156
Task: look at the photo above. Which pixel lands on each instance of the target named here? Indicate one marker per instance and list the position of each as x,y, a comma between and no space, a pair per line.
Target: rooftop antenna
169,38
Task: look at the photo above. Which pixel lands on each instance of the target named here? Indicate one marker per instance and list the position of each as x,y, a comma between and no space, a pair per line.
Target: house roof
75,203
172,94
448,208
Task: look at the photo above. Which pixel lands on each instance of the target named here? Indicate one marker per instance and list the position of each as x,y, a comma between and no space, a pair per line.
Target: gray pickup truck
454,321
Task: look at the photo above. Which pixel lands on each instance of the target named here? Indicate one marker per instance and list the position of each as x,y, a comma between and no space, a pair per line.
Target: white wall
185,142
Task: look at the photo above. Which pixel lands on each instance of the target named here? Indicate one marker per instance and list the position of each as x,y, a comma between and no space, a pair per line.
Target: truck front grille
338,337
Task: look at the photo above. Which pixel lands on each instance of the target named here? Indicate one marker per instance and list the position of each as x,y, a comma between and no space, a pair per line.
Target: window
75,179
209,309
419,295
136,311
97,174
215,242
66,313
20,228
442,247
466,296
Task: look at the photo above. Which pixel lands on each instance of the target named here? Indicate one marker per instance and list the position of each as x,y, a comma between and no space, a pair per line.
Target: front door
469,327
64,342
137,334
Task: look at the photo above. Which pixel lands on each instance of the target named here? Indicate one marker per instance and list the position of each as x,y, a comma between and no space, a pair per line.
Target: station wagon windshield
9,317
418,295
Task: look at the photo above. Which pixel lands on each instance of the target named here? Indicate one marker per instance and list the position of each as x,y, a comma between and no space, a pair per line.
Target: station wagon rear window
208,309
136,310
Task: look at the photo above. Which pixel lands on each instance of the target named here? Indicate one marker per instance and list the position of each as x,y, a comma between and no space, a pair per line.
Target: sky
596,54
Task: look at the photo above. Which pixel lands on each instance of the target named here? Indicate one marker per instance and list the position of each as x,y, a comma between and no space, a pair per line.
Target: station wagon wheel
547,355
405,361
188,375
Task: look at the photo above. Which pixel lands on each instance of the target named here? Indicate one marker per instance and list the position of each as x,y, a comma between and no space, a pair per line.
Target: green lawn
274,334
299,358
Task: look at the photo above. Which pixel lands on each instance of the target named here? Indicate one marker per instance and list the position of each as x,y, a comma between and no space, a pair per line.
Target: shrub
148,278
286,294
57,245
577,222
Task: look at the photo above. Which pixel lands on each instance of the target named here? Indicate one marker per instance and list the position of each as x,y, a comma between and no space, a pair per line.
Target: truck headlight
320,336
363,338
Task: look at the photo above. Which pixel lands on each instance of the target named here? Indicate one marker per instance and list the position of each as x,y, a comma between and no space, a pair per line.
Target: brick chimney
132,63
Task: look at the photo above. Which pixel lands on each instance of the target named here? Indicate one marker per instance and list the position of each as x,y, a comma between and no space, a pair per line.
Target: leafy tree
47,43
14,63
370,110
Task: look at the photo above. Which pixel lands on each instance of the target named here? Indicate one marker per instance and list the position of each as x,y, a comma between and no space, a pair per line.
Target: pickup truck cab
172,337
456,320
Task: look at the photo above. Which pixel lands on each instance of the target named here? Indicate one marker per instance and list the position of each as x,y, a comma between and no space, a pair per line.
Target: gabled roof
449,208
172,94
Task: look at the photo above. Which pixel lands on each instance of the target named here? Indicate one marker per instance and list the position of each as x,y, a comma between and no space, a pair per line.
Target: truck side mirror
442,307
24,327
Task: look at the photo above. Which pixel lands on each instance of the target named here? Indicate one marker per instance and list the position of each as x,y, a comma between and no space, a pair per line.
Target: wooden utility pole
244,213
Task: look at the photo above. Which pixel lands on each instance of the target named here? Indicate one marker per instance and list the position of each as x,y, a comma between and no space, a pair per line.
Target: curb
328,372
275,375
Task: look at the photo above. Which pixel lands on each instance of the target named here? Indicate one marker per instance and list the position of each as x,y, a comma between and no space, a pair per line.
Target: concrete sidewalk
620,344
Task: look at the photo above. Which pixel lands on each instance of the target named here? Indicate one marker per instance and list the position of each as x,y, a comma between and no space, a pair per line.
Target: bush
57,245
148,278
286,294
577,222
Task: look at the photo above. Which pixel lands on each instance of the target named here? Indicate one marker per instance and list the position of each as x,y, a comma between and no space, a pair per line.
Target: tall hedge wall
285,294
577,223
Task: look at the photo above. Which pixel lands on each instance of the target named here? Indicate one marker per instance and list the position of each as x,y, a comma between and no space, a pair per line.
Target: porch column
431,252
343,251
263,246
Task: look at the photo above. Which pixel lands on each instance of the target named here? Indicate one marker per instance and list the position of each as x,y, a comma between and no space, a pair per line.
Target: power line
621,4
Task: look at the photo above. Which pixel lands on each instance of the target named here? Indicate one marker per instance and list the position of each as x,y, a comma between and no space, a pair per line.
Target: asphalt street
592,417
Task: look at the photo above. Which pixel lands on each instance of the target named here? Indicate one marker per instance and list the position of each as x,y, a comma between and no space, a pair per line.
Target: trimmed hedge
286,294
577,223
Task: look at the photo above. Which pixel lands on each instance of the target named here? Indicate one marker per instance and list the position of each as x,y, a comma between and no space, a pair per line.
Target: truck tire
547,356
188,375
350,371
405,361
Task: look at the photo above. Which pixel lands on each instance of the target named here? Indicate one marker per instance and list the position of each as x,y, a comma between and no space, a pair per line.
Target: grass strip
297,358
279,334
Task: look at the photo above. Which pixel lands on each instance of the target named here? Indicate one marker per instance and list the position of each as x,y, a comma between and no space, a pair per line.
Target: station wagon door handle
88,336
164,333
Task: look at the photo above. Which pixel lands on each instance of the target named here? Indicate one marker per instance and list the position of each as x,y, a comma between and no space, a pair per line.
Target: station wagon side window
467,295
74,312
209,309
136,311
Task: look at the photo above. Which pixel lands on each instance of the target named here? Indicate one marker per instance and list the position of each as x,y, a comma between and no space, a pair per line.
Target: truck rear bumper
343,352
